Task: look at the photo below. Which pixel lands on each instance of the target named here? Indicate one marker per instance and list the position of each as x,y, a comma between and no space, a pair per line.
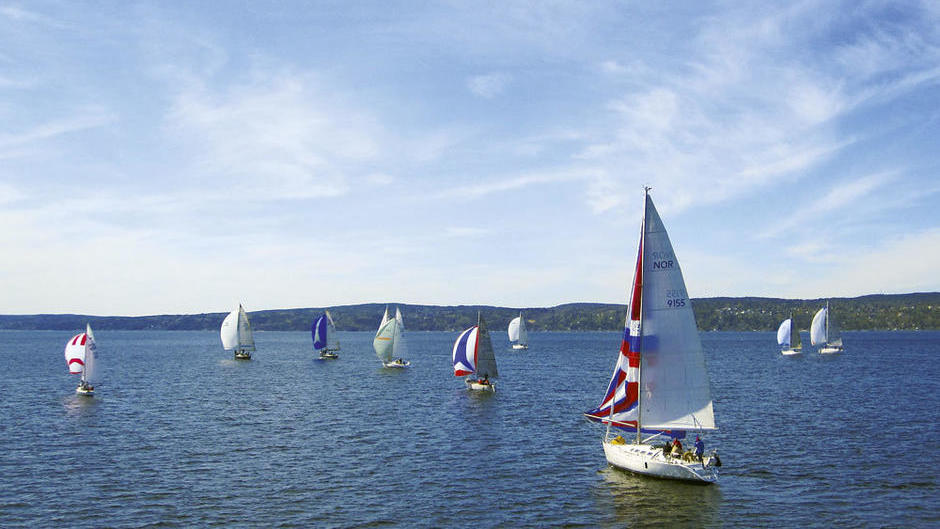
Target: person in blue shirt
699,448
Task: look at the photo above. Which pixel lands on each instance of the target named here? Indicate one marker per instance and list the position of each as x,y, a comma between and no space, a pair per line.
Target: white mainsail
517,331
91,357
398,344
332,341
674,388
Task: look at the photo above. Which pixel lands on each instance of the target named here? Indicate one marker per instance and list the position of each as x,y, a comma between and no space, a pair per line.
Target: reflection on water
79,405
640,501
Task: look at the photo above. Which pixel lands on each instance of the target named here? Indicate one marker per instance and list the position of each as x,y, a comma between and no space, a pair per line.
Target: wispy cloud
280,135
88,119
489,85
841,195
480,189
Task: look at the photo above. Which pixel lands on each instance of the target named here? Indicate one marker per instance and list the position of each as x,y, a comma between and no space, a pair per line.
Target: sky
181,157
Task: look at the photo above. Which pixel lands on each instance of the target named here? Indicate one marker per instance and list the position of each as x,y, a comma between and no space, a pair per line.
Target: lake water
181,435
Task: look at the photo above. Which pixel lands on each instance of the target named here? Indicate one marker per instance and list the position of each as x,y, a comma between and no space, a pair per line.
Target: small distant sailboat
81,356
788,337
473,355
518,336
236,334
389,343
659,387
825,331
324,337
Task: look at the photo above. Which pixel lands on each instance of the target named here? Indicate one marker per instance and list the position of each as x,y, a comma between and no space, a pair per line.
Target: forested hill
892,311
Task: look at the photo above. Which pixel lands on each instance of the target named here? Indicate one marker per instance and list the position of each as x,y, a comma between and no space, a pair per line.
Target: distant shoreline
915,311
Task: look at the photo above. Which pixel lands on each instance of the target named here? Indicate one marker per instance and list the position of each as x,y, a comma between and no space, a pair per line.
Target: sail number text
675,298
663,260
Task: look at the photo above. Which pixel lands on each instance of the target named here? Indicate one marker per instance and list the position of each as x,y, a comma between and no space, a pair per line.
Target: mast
639,369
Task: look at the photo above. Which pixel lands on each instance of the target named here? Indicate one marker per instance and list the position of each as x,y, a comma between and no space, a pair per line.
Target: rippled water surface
181,435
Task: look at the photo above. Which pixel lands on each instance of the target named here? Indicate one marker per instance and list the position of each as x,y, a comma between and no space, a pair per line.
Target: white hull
397,365
328,355
790,352
830,350
519,346
650,461
84,391
243,355
476,386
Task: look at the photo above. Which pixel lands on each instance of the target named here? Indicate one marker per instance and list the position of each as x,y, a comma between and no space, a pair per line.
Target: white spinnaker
783,333
513,329
817,329
674,392
229,331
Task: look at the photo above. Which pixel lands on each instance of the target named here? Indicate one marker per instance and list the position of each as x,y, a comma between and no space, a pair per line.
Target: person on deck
699,448
676,447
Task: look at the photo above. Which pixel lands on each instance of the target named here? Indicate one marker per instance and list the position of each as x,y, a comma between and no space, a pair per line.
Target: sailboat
389,343
323,332
825,331
236,334
518,336
659,387
788,337
81,356
473,355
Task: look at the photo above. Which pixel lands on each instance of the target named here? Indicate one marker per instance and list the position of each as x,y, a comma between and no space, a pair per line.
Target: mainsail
659,382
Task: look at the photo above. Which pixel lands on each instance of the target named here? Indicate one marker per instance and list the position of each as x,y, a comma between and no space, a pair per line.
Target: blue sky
180,157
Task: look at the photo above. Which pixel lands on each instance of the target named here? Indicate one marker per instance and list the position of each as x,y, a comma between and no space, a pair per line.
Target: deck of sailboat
650,460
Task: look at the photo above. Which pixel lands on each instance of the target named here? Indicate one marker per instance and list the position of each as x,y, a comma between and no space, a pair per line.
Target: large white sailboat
474,358
81,356
323,332
825,331
659,388
788,337
389,342
236,334
518,335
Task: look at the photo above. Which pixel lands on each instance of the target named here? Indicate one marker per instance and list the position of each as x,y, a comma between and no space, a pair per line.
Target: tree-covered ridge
891,311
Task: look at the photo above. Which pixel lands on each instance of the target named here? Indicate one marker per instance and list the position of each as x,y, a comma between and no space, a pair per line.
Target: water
181,435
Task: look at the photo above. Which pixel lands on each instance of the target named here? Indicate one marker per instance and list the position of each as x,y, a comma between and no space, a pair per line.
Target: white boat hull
473,385
88,392
243,356
648,460
397,365
791,352
519,346
830,350
328,356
